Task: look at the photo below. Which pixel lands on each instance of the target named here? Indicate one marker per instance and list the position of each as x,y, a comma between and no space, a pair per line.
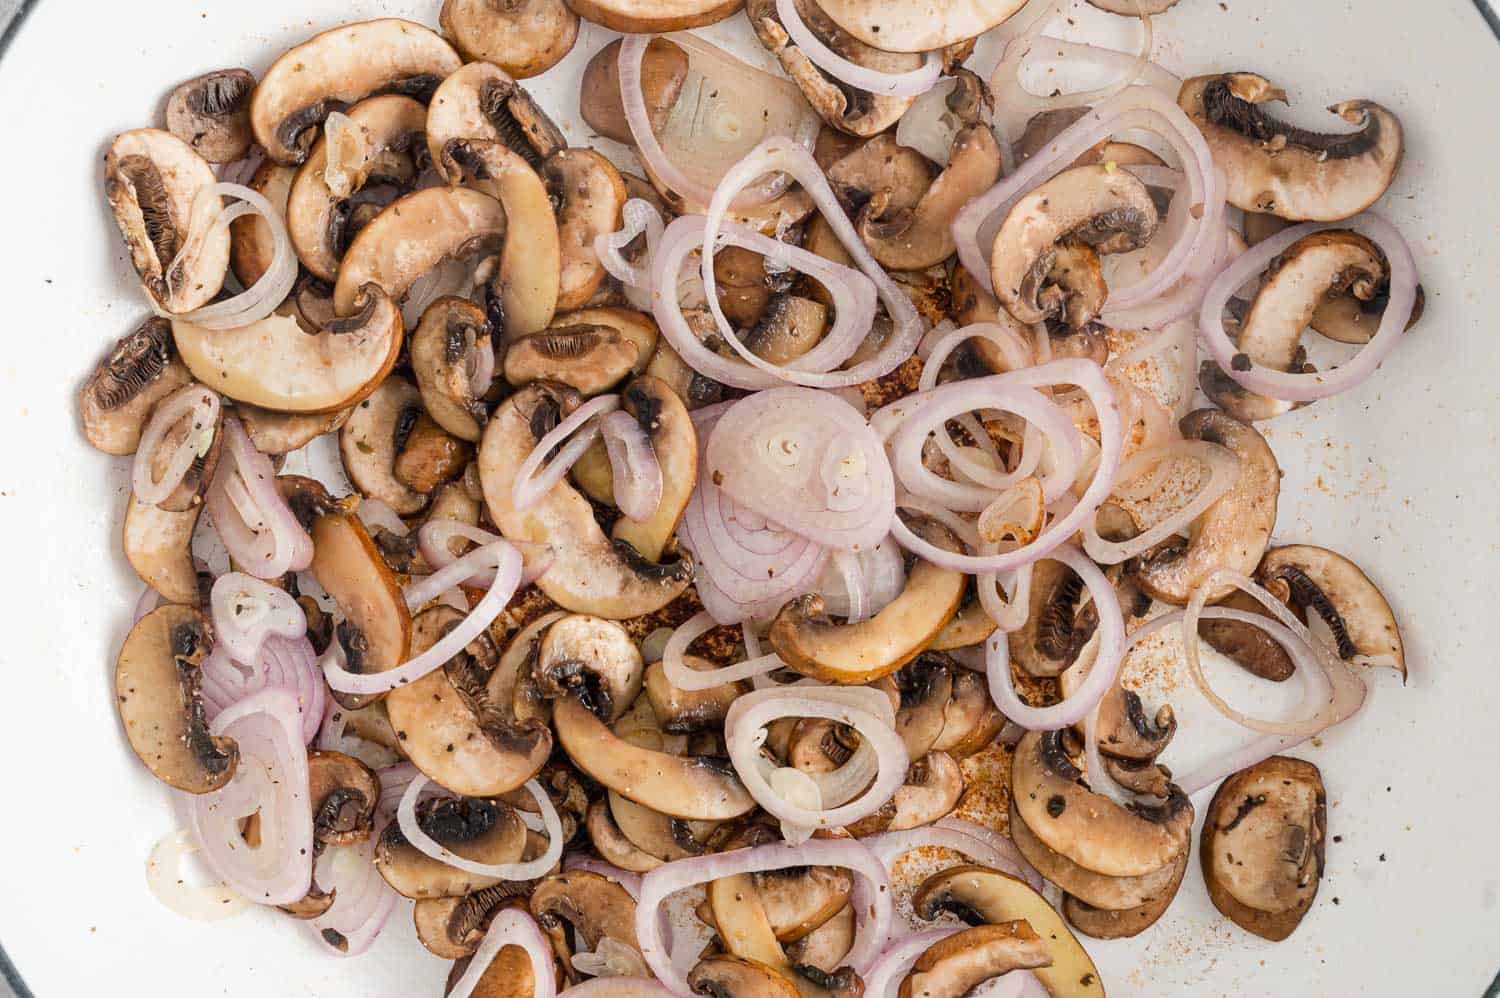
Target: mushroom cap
344,793
481,101
276,365
523,37
157,682
918,25
337,68
1234,532
1282,170
592,660
211,113
1262,850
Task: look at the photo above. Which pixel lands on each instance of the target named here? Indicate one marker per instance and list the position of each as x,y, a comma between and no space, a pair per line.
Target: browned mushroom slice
275,364
660,836
370,442
1054,634
452,330
815,646
1245,644
956,966
481,831
139,371
591,359
453,928
1282,170
152,179
1110,211
275,433
682,711
482,102
211,113
612,844
1134,8
158,545
980,896
918,27
1102,923
924,687
590,195
737,977
579,910
664,69
857,112
934,783
344,793
664,419
1326,583
430,457
637,327
157,683
1088,828
252,245
590,573
1232,533
798,900
337,68
523,37
788,327
376,630
654,16
1262,850
592,660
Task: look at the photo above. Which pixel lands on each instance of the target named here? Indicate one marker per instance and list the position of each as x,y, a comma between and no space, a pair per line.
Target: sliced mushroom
376,630
658,835
451,725
1232,533
1263,841
1279,169
825,947
1362,623
663,417
683,711
918,27
275,433
413,235
430,457
590,573
510,975
694,787
382,136
1110,211
857,112
252,245
613,845
512,682
482,831
158,545
922,237
815,646
152,179
524,293
798,900
1124,731
736,977
970,626
157,692
1074,293
924,687
1105,893
372,439
330,71
955,966
453,928
211,113
275,364
652,17
664,69
344,793
695,390
1055,633
934,783
451,332
117,399
1103,923
593,907
523,37
1325,264
879,172
637,327
971,720
592,359
482,102
1245,644
980,896
1349,319
591,660
589,195
1088,828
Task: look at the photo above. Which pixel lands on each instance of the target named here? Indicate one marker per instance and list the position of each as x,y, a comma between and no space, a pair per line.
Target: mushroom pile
696,526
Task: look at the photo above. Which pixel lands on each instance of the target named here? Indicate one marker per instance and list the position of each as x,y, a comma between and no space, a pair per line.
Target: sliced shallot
634,468
252,518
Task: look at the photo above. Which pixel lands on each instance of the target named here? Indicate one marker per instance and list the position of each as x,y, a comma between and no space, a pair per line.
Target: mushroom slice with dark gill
1055,632
591,359
1087,828
482,102
412,236
590,573
682,711
211,113
152,179
344,793
722,976
157,692
481,831
1125,732
578,910
139,371
1322,582
524,293
380,145
1315,268
333,70
523,37
457,729
1246,645
589,195
374,437
1234,532
276,364
453,928
1262,850
812,644
664,419
443,349
963,962
1279,169
981,896
376,630
1110,211
857,112
591,660
660,836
